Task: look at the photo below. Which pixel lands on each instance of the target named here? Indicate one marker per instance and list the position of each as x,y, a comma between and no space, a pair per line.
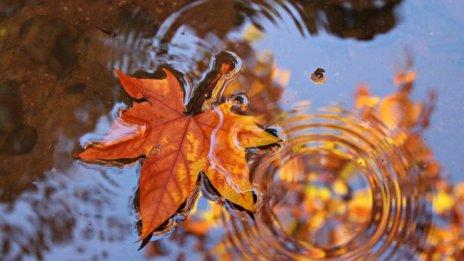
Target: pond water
371,160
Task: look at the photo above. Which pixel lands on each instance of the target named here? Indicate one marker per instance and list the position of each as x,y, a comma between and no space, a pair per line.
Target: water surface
58,91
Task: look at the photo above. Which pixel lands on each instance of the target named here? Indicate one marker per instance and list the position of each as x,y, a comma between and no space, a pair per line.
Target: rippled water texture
341,186
371,164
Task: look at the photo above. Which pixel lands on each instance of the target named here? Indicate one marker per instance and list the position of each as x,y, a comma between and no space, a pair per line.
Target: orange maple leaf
177,147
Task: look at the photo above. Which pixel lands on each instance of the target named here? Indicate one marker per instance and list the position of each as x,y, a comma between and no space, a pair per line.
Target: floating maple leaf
178,146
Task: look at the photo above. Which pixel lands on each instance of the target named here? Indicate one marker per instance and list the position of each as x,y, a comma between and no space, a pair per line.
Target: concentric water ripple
342,186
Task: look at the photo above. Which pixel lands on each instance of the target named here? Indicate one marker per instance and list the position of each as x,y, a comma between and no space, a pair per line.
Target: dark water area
370,166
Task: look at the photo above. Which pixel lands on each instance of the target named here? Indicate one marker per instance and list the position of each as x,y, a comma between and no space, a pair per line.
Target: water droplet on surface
239,101
318,76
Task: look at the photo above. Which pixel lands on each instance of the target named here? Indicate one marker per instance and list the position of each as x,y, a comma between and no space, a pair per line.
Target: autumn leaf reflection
445,240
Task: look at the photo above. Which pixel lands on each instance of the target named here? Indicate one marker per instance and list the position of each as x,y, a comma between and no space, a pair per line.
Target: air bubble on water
318,76
239,101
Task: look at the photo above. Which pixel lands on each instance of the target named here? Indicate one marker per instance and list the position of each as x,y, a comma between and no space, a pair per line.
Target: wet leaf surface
176,147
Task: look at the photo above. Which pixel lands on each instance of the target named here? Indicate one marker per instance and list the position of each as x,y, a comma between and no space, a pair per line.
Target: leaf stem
224,68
